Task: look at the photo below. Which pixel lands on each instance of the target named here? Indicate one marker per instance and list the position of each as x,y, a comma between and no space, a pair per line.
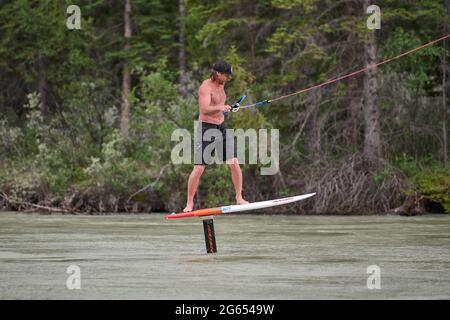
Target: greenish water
260,257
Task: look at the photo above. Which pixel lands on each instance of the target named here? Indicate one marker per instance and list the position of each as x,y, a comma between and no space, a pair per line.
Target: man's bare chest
218,97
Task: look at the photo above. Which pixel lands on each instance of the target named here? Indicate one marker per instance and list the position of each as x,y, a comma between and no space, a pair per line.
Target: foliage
435,184
60,97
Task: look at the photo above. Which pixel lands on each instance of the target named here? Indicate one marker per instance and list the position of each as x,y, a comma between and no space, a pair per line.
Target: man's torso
218,97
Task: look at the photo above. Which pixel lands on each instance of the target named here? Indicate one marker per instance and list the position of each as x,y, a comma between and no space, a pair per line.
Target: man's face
223,77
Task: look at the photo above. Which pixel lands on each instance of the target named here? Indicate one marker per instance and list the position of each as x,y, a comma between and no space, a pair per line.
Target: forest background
87,114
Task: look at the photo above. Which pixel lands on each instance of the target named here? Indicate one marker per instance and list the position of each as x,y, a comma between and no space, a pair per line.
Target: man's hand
226,108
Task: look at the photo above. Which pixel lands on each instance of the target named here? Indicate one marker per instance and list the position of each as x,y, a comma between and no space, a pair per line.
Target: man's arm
204,101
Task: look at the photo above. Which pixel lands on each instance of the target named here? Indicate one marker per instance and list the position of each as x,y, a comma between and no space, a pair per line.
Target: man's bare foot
240,200
189,207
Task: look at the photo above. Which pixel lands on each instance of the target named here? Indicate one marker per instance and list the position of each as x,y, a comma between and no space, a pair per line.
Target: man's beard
215,78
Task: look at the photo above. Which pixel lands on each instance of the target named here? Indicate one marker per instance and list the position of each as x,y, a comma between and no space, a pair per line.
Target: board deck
239,208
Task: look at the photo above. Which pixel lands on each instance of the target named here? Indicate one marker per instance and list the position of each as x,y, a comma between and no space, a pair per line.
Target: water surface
260,257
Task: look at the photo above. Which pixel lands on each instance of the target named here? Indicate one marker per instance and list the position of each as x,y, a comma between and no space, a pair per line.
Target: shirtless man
211,101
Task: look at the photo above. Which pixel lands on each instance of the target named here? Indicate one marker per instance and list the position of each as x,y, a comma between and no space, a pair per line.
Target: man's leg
236,177
194,180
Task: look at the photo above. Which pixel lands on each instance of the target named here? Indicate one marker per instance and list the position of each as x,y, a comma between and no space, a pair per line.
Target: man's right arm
204,102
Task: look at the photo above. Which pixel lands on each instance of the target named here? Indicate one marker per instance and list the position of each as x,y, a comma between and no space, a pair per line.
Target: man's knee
233,162
198,170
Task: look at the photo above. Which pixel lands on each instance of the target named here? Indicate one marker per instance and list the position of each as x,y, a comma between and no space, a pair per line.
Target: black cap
223,67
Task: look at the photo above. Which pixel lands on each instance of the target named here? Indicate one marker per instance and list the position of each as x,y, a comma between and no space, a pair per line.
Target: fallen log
24,203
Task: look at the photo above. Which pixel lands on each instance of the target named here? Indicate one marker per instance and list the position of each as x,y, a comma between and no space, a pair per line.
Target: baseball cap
223,67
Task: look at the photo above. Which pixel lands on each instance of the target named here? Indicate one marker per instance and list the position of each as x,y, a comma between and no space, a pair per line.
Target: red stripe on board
196,213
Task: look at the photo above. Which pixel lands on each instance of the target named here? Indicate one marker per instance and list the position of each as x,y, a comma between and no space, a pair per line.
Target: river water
259,257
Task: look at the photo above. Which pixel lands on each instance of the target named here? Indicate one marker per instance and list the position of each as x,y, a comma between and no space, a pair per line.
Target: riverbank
349,187
414,205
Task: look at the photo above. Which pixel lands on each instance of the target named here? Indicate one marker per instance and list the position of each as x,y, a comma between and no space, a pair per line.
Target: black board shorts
210,138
